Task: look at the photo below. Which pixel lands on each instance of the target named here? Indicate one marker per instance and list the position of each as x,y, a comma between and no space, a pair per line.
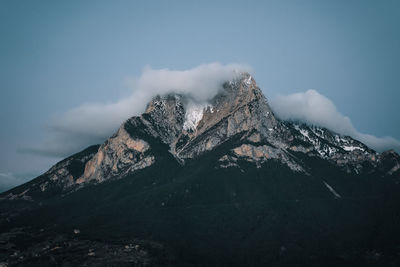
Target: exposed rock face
63,173
260,154
121,154
390,163
164,117
340,150
240,108
61,177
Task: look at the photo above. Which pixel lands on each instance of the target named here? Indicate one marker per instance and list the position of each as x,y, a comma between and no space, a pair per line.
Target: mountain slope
216,183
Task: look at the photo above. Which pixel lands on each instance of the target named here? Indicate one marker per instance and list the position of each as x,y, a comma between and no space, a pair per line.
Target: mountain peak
189,128
232,95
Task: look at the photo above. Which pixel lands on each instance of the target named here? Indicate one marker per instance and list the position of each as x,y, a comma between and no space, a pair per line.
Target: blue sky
55,56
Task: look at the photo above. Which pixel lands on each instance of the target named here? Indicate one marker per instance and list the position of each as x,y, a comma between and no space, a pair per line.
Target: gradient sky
57,55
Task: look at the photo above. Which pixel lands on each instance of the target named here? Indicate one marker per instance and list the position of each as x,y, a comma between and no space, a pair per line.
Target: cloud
92,123
313,108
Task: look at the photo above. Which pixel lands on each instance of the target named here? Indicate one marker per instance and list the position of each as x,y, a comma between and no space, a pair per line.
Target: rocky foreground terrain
217,183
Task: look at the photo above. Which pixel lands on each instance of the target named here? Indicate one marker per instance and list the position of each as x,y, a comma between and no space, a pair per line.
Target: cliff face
121,154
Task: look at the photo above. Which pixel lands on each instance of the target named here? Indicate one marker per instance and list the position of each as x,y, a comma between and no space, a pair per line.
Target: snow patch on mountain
330,188
194,114
312,108
248,80
352,148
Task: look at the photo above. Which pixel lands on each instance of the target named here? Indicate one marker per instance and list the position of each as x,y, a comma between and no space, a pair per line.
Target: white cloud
93,123
313,108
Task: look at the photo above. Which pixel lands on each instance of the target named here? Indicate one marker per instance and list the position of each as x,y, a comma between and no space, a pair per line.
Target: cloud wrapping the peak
313,108
93,123
202,82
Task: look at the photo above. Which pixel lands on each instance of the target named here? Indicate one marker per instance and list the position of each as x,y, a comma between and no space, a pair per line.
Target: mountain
217,183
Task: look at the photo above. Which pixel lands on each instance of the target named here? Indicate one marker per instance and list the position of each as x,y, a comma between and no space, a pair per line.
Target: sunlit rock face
121,154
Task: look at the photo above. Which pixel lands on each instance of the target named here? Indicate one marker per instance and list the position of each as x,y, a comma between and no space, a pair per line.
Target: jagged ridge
191,129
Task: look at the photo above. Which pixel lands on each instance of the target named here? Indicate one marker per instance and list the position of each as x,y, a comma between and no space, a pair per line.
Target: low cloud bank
313,108
92,123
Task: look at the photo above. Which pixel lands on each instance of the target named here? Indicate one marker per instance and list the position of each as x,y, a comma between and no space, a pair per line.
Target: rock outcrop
59,179
121,154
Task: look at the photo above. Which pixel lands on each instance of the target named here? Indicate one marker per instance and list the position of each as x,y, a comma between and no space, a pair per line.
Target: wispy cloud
93,123
313,108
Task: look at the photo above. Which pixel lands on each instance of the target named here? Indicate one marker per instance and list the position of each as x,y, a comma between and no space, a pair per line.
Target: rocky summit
221,182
